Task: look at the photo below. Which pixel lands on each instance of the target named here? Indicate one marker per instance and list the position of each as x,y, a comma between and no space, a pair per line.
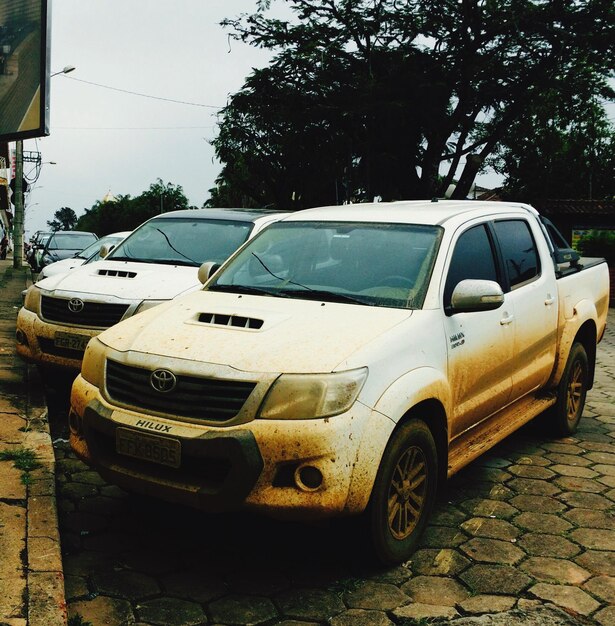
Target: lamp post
18,220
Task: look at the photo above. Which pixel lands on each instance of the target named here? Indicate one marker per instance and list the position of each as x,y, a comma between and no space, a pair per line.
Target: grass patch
24,460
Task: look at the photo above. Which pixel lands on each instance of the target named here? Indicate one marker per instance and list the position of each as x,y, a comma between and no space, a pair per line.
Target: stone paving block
594,539
602,587
606,617
563,448
560,571
609,481
420,611
490,528
528,459
154,562
43,555
480,507
237,609
102,610
587,518
309,604
42,517
574,483
253,580
492,551
82,522
533,487
540,544
569,459
434,562
570,470
394,575
84,563
597,562
566,596
88,477
605,458
487,604
11,486
13,588
194,584
442,537
76,491
377,596
531,471
435,590
582,500
75,587
495,579
537,504
124,584
446,516
607,470
599,447
542,523
359,617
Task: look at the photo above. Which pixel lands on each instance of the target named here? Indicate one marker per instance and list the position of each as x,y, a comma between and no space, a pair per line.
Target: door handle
507,320
550,300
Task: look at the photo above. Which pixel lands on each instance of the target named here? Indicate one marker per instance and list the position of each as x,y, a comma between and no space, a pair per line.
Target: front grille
48,346
93,314
199,398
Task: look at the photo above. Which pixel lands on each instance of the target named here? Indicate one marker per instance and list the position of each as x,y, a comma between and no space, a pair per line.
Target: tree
387,98
64,219
126,213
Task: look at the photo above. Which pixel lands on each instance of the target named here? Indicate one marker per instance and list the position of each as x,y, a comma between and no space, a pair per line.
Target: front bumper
36,341
253,465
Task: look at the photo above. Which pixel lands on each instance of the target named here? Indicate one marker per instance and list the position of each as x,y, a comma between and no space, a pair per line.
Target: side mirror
207,270
105,249
476,295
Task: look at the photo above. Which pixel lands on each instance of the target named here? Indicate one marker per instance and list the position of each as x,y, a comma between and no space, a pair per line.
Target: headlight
32,299
309,396
148,304
93,366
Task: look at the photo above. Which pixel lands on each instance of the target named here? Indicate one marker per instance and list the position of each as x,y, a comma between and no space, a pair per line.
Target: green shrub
600,243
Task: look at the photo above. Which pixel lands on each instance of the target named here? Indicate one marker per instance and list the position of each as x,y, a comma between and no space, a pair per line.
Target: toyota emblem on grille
75,305
163,381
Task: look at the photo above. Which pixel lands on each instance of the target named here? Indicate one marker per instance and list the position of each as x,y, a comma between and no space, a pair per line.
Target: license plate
161,450
70,341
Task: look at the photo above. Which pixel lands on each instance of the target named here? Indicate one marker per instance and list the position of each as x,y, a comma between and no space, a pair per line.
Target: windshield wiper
323,294
259,291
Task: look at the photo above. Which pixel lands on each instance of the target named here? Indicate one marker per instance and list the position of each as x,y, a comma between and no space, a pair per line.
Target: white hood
296,335
140,281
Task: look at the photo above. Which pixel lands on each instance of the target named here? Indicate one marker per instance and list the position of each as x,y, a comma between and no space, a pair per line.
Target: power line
143,95
131,127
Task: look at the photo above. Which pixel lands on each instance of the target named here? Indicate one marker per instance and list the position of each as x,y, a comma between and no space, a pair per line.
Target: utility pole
19,207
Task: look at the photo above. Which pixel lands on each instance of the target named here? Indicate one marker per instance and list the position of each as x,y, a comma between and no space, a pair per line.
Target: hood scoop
117,273
236,321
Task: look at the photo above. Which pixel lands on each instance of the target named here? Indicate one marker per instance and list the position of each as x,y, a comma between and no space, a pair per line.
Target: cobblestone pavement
529,524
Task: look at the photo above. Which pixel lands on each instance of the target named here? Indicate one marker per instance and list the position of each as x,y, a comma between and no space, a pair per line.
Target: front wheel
571,392
404,492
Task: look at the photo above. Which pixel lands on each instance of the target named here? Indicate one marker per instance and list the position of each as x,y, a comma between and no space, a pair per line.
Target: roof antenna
434,199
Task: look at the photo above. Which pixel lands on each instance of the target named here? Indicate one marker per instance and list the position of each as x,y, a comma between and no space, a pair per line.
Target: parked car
346,361
64,244
89,254
157,262
35,251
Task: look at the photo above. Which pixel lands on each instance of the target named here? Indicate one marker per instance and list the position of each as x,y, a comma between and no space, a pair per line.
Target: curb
34,578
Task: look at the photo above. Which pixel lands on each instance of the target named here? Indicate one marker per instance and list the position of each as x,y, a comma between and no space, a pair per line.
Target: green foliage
64,219
599,243
367,99
24,460
126,213
77,620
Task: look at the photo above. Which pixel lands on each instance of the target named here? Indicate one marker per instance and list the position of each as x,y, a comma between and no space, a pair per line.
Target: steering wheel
396,280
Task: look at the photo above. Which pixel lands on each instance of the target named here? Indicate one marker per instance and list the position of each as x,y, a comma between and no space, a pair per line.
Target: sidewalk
31,578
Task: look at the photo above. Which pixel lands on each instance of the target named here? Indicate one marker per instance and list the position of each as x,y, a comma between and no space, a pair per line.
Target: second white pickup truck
346,361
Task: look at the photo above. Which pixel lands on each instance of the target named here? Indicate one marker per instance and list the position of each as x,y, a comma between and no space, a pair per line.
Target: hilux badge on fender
163,381
75,305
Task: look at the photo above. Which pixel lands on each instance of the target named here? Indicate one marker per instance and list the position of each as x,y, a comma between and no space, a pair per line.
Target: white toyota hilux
155,263
346,361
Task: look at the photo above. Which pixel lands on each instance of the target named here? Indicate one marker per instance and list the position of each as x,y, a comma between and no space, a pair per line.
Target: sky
103,140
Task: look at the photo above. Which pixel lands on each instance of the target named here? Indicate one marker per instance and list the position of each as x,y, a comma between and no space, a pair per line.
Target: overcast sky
105,140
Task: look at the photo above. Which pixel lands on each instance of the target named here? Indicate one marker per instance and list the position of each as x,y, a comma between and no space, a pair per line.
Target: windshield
182,241
372,264
94,248
73,241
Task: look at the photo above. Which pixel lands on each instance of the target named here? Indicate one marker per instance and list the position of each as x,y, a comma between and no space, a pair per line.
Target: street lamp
65,70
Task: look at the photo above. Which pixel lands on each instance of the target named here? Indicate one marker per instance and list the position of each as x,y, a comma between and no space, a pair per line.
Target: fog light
75,423
308,478
21,338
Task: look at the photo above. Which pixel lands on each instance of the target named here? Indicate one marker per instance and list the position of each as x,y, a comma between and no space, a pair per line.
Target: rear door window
518,251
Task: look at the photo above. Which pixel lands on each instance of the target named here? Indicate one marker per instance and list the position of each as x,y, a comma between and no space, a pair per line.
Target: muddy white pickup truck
346,361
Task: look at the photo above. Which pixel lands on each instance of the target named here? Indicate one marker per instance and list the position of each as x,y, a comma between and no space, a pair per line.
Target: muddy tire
566,414
403,493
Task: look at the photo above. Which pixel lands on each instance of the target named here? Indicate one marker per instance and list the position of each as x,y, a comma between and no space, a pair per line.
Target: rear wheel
571,392
404,492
